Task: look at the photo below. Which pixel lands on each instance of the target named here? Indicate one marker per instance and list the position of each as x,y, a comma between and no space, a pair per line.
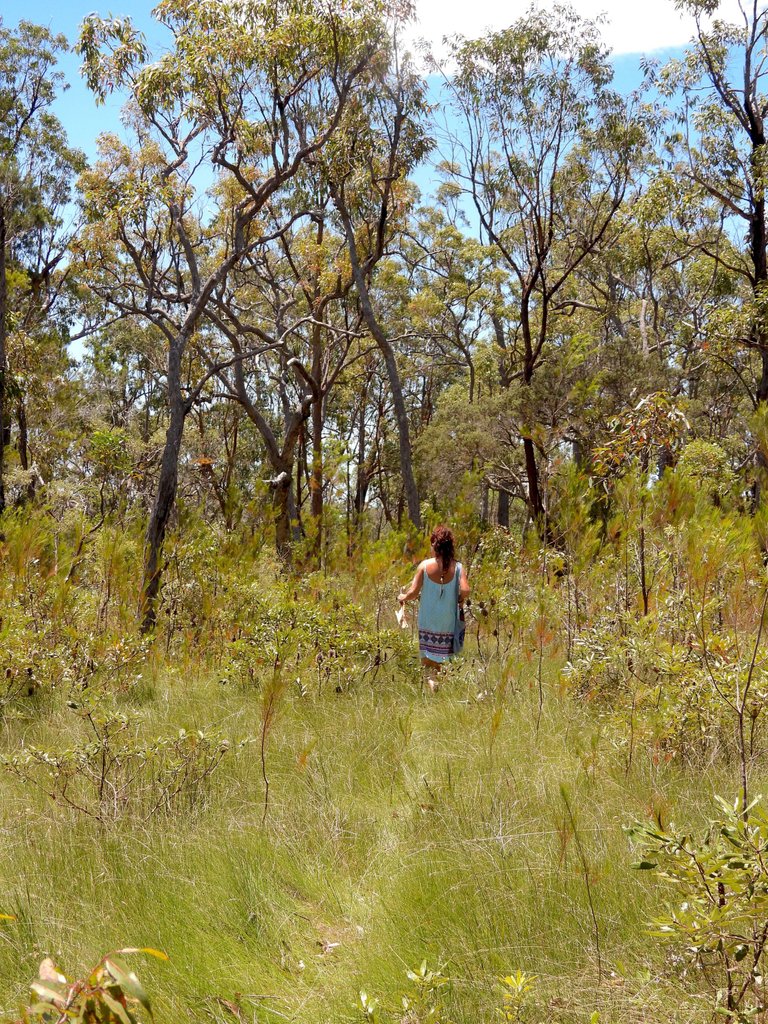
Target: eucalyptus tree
367,169
716,147
542,152
37,171
291,296
451,280
248,91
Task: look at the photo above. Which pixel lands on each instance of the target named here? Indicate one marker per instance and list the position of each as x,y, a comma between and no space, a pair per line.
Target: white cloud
633,26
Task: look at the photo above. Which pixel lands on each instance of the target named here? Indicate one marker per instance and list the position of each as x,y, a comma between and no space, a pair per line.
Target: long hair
442,541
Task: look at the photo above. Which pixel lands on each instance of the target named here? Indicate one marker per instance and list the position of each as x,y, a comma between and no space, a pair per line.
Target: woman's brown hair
442,541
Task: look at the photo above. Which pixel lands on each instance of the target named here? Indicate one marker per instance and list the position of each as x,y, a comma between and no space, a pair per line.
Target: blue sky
84,120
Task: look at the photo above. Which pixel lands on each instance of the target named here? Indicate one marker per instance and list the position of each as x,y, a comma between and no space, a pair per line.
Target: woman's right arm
414,589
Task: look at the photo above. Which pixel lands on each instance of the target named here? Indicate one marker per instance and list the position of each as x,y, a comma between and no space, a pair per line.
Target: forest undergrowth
264,791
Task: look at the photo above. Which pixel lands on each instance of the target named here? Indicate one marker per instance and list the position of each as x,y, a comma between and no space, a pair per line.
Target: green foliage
515,989
113,774
110,993
719,922
654,425
420,1003
263,767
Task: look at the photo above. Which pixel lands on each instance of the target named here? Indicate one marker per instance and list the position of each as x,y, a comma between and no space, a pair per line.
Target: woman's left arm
464,588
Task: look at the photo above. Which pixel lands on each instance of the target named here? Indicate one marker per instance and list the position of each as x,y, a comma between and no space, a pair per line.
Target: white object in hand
402,618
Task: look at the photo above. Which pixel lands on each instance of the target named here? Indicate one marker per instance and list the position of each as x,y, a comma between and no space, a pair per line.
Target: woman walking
441,584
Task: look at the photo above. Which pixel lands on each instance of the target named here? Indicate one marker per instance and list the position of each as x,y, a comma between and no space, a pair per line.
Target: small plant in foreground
112,773
419,1004
370,1007
515,988
109,994
721,922
422,1002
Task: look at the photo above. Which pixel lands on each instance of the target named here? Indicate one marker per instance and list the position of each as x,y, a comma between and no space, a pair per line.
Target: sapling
719,920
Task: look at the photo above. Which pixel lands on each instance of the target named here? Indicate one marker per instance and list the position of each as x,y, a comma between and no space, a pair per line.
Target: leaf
49,991
143,949
645,865
129,983
48,971
117,1008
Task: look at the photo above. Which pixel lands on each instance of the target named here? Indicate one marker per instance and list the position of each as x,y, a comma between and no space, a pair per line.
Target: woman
435,583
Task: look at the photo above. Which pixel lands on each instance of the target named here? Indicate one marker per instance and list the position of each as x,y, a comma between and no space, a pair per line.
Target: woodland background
213,738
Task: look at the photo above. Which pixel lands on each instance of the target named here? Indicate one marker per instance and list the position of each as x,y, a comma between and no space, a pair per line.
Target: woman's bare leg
431,671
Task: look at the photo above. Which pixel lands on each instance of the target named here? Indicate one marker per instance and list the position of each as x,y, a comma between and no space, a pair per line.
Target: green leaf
117,1008
143,949
128,982
49,990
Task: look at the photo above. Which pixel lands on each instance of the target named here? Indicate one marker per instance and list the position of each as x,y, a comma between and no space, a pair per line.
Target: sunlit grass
400,826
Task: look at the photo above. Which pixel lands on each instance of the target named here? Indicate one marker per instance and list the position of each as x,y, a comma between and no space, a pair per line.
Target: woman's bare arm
414,589
464,588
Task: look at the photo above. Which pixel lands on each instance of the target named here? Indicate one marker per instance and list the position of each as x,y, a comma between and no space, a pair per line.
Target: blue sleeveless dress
437,617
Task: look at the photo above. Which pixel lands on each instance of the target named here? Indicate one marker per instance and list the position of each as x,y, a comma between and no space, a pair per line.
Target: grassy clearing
399,827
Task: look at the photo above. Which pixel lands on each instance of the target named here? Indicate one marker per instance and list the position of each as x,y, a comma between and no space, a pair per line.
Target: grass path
400,827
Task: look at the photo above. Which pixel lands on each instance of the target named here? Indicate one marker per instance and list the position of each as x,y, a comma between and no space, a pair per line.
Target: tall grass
481,828
399,828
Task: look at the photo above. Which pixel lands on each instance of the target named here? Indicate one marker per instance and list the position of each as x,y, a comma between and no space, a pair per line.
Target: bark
757,245
3,356
316,480
505,378
165,496
411,492
532,352
362,477
757,237
534,491
21,422
28,493
502,514
281,502
280,456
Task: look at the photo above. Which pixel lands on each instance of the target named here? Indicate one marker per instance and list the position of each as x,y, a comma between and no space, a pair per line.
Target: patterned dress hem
438,647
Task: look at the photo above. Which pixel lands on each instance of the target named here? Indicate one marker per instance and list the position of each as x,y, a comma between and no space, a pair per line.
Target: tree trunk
316,481
282,500
757,239
393,373
534,491
502,514
28,493
3,355
294,517
361,474
404,435
165,495
535,503
21,422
